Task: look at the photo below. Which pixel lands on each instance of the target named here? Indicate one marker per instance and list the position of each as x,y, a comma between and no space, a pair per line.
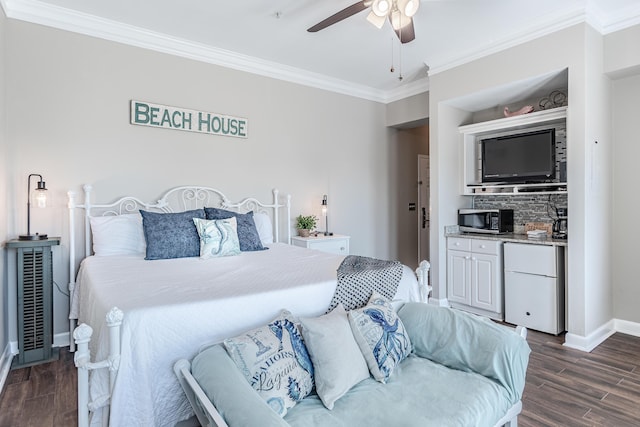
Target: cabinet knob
528,314
482,246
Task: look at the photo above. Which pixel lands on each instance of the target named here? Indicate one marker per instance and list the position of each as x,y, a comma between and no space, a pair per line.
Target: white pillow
264,227
117,235
337,361
218,237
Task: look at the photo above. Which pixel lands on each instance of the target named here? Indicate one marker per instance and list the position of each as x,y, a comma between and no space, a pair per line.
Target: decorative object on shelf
326,217
305,224
556,98
524,110
538,226
40,199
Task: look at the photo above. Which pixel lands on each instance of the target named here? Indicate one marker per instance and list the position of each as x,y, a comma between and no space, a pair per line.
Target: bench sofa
463,370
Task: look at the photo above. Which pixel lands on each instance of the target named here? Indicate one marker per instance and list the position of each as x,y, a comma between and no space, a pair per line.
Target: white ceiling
352,56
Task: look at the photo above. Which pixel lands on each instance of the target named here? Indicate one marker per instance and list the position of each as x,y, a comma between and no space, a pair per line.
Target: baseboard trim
61,340
5,365
591,341
627,327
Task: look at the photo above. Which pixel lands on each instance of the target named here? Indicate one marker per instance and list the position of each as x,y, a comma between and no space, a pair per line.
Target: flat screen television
522,158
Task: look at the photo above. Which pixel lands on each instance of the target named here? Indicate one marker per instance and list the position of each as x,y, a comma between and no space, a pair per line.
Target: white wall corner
5,365
591,341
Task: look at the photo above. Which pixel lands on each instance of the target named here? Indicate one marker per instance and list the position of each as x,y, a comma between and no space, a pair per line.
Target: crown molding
560,23
46,14
70,20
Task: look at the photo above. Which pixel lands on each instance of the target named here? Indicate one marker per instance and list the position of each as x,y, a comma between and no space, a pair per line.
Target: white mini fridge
534,286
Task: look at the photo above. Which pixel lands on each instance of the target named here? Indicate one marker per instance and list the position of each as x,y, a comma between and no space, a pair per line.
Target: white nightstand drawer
336,244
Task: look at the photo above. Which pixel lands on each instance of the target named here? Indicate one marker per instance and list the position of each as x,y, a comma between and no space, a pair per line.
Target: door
484,282
424,213
459,277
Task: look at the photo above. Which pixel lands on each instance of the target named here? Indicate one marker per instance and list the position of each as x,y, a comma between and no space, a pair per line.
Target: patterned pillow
381,336
218,237
247,231
274,360
171,235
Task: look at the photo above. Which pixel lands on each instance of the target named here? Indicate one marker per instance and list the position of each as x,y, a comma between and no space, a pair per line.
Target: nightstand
35,300
336,244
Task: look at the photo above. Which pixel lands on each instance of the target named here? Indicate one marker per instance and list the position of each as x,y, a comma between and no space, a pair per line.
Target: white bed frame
175,200
178,199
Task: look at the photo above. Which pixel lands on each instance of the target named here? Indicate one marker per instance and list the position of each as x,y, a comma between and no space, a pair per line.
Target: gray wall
626,203
69,120
4,162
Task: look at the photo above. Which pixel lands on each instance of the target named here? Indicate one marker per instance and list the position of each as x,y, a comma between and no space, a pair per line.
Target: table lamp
326,217
40,199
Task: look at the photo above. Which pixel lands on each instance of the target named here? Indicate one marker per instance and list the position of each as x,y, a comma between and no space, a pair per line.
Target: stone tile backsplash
526,208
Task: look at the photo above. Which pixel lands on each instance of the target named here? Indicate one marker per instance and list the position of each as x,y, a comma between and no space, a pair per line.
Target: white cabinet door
459,277
532,301
484,282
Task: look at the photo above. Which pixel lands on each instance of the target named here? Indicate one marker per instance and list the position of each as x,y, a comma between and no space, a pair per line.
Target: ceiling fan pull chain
400,56
392,58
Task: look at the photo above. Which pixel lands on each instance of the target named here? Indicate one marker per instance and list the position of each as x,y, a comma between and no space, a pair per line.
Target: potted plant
305,224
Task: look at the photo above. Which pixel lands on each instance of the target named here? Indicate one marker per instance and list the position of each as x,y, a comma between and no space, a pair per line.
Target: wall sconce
39,197
326,217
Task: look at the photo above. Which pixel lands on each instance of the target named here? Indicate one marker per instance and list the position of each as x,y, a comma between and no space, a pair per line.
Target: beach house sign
162,116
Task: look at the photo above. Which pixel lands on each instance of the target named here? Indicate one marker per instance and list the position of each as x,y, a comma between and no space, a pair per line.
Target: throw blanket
359,276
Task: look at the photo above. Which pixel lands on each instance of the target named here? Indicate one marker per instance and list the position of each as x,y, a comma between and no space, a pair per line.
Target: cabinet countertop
510,237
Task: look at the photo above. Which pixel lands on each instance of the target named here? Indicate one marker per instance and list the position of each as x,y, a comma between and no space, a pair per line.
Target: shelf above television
471,176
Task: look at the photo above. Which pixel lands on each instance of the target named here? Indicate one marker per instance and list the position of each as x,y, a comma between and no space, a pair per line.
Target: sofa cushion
468,343
380,335
419,393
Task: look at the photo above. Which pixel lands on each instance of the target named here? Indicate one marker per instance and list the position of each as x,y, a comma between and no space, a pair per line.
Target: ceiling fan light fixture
408,7
381,7
376,20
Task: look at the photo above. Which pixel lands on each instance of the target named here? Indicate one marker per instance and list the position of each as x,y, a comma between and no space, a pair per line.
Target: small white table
336,244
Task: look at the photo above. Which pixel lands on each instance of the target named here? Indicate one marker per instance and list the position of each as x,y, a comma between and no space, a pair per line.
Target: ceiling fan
399,12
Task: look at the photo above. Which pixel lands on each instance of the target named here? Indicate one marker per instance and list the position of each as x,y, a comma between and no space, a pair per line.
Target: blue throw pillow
171,235
381,336
247,231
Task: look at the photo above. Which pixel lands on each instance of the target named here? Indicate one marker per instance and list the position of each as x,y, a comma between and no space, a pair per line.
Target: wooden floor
564,387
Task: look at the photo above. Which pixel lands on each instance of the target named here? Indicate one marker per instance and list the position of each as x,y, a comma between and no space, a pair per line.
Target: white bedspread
174,307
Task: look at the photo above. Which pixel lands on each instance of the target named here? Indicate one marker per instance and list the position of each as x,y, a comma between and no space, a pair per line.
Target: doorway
424,212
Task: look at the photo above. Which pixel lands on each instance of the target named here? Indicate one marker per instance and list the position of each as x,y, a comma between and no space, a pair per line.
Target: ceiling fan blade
406,33
337,17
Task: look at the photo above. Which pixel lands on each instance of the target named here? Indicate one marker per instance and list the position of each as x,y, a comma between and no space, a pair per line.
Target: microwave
492,221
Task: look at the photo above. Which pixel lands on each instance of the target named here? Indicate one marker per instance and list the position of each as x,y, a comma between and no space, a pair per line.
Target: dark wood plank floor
564,387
